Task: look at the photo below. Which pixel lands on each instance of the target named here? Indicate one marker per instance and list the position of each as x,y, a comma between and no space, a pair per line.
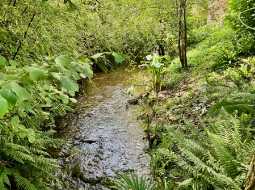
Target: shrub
241,17
30,98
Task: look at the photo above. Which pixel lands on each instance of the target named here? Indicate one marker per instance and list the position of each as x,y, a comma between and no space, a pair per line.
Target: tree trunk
182,27
250,178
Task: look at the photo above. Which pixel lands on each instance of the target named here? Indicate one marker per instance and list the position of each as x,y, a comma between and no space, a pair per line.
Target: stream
105,138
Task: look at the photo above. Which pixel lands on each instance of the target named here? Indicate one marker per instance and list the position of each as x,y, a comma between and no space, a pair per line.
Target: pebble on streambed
109,141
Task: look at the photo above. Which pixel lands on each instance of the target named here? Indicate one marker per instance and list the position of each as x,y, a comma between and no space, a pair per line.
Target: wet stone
109,139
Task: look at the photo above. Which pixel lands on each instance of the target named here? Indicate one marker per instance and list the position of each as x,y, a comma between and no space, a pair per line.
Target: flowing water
105,136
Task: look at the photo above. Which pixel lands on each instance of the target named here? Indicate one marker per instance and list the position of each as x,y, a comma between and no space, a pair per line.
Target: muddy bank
105,136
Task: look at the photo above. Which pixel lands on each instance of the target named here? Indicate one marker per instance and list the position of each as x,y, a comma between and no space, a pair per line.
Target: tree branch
24,36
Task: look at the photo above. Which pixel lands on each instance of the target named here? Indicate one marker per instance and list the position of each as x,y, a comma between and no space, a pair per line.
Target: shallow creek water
105,136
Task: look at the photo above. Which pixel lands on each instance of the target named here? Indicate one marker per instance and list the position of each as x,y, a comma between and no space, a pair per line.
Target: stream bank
105,137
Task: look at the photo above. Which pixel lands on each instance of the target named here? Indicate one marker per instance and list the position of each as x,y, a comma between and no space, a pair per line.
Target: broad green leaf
156,62
69,85
63,60
3,106
3,61
157,65
56,75
87,71
64,98
118,58
21,92
36,74
9,95
2,78
96,56
73,100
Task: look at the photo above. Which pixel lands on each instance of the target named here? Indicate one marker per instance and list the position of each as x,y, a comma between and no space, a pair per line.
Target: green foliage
30,98
217,159
240,103
241,17
134,182
246,10
3,106
156,67
36,85
3,61
237,80
36,74
207,138
208,150
213,52
118,58
23,183
69,85
105,61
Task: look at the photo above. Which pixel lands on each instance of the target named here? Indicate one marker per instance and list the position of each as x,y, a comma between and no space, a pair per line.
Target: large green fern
216,160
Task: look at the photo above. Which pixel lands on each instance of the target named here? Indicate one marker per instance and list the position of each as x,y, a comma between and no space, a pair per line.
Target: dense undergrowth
202,125
30,98
204,128
200,121
41,66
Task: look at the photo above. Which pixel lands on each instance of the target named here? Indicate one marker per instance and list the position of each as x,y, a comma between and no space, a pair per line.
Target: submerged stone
109,139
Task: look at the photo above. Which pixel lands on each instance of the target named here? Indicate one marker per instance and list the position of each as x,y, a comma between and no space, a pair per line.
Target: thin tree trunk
185,34
182,38
24,37
179,29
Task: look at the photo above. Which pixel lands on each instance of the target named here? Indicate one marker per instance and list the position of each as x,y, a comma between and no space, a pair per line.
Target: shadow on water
104,135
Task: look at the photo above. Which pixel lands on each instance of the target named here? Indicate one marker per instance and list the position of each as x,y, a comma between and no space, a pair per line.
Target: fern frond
133,182
4,180
23,183
46,165
38,151
18,153
222,153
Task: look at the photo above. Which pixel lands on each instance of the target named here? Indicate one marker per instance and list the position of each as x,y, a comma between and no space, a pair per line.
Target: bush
241,17
214,52
30,98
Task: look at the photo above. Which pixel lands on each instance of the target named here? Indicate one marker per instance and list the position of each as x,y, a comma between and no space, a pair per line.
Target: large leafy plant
156,67
30,98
